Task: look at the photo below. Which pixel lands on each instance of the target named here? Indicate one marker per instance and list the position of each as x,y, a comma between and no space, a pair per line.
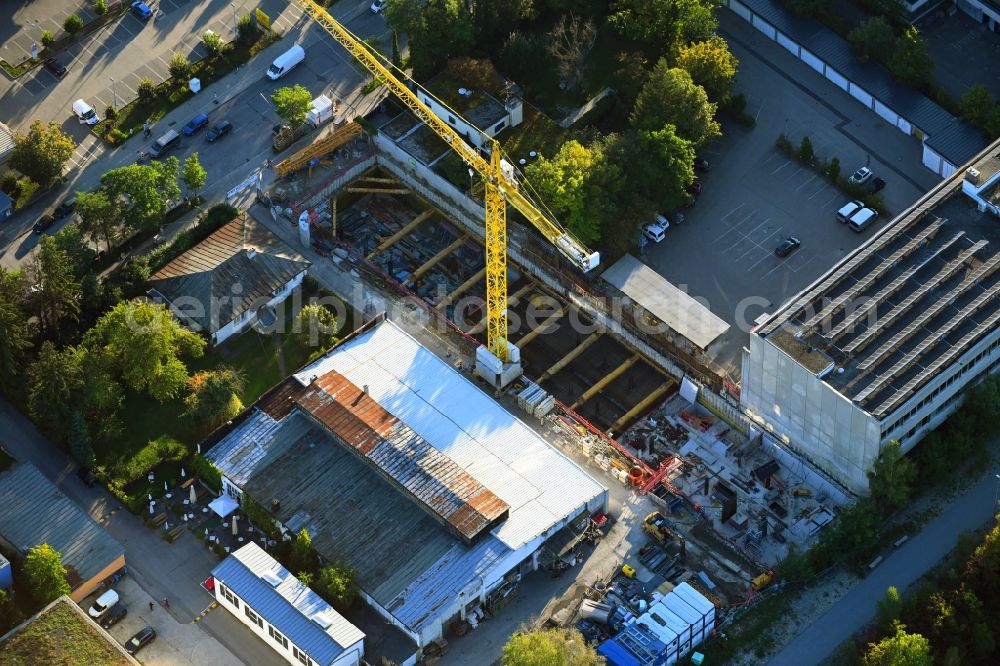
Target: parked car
53,66
877,185
701,165
142,638
219,130
656,230
848,209
378,5
43,224
103,604
195,124
861,176
789,245
64,209
142,10
114,616
695,187
86,476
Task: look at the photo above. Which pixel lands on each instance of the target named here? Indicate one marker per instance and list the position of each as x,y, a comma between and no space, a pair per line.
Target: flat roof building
404,469
882,346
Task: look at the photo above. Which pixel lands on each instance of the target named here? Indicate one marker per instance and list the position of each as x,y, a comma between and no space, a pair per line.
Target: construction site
610,365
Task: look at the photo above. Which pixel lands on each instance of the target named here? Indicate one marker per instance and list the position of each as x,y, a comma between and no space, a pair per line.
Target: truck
656,526
322,110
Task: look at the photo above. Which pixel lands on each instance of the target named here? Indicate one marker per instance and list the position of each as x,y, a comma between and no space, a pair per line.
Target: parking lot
965,53
754,197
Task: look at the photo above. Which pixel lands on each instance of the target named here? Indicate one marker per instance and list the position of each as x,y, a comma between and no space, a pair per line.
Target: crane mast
500,189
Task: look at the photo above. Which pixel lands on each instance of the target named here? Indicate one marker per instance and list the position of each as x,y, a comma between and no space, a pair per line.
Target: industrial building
883,345
402,468
292,619
35,512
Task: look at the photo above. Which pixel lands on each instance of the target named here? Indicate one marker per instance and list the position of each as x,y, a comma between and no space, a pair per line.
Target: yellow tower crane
498,177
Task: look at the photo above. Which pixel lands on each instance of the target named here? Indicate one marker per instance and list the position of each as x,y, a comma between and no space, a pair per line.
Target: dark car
142,10
53,66
877,184
701,165
114,616
141,639
197,123
64,209
219,130
788,246
86,476
694,188
43,224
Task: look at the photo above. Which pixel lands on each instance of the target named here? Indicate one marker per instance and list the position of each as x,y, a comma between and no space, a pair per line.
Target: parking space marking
787,162
807,181
212,606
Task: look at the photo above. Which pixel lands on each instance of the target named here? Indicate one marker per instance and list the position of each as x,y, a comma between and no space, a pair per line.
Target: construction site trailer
680,608
683,629
655,624
633,646
696,600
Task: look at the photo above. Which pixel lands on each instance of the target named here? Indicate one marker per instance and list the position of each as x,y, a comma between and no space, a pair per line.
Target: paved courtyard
965,53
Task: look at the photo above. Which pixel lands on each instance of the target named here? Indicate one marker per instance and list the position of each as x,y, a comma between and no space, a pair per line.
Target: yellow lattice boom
500,189
321,148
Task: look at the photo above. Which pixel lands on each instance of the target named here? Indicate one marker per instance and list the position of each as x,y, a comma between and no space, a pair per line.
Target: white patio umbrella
182,473
194,495
151,510
234,525
165,486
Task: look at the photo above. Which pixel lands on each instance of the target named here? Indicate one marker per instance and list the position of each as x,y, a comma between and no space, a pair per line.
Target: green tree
194,174
549,647
397,56
910,62
45,573
302,557
891,478
42,153
73,24
79,441
142,193
55,382
100,7
711,66
833,169
662,167
891,9
664,25
100,218
809,8
54,290
70,240
564,182
145,90
887,610
142,343
292,103
47,38
992,123
215,396
438,30
316,326
213,43
900,649
670,97
493,20
874,38
10,615
14,337
976,104
179,66
806,152
336,584
247,30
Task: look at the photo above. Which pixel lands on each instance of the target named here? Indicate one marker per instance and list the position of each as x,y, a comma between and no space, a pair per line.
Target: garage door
788,44
740,9
947,168
904,126
764,26
860,94
836,77
811,60
932,160
886,113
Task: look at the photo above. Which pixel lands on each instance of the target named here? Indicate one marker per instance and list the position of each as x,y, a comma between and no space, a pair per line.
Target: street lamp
114,93
233,5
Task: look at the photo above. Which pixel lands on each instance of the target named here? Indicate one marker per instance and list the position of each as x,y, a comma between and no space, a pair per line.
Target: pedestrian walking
150,606
166,602
145,129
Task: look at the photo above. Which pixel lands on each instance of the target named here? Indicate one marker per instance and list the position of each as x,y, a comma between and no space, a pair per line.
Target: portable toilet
6,574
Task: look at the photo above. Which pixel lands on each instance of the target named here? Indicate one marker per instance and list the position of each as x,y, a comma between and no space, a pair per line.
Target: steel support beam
568,358
461,289
606,379
433,261
643,405
541,328
478,328
393,239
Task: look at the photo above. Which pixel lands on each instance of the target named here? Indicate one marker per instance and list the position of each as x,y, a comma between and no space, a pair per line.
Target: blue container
6,574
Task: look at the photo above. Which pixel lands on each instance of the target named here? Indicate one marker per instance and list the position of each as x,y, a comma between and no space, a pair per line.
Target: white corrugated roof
541,485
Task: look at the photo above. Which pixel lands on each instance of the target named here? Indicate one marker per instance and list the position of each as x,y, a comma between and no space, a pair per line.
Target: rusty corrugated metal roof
438,484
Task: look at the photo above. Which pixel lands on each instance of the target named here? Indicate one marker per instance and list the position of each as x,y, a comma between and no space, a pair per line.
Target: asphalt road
901,568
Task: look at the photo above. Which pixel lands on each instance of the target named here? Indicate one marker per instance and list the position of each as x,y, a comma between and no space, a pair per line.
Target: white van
84,112
656,230
861,219
165,143
286,62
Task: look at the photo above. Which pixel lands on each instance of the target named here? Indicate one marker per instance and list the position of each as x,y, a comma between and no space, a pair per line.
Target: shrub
208,473
26,189
116,137
73,24
47,38
110,113
806,153
833,169
146,90
100,7
179,66
247,30
213,43
784,145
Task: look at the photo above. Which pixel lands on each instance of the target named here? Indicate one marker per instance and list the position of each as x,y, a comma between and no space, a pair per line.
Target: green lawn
537,132
60,636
